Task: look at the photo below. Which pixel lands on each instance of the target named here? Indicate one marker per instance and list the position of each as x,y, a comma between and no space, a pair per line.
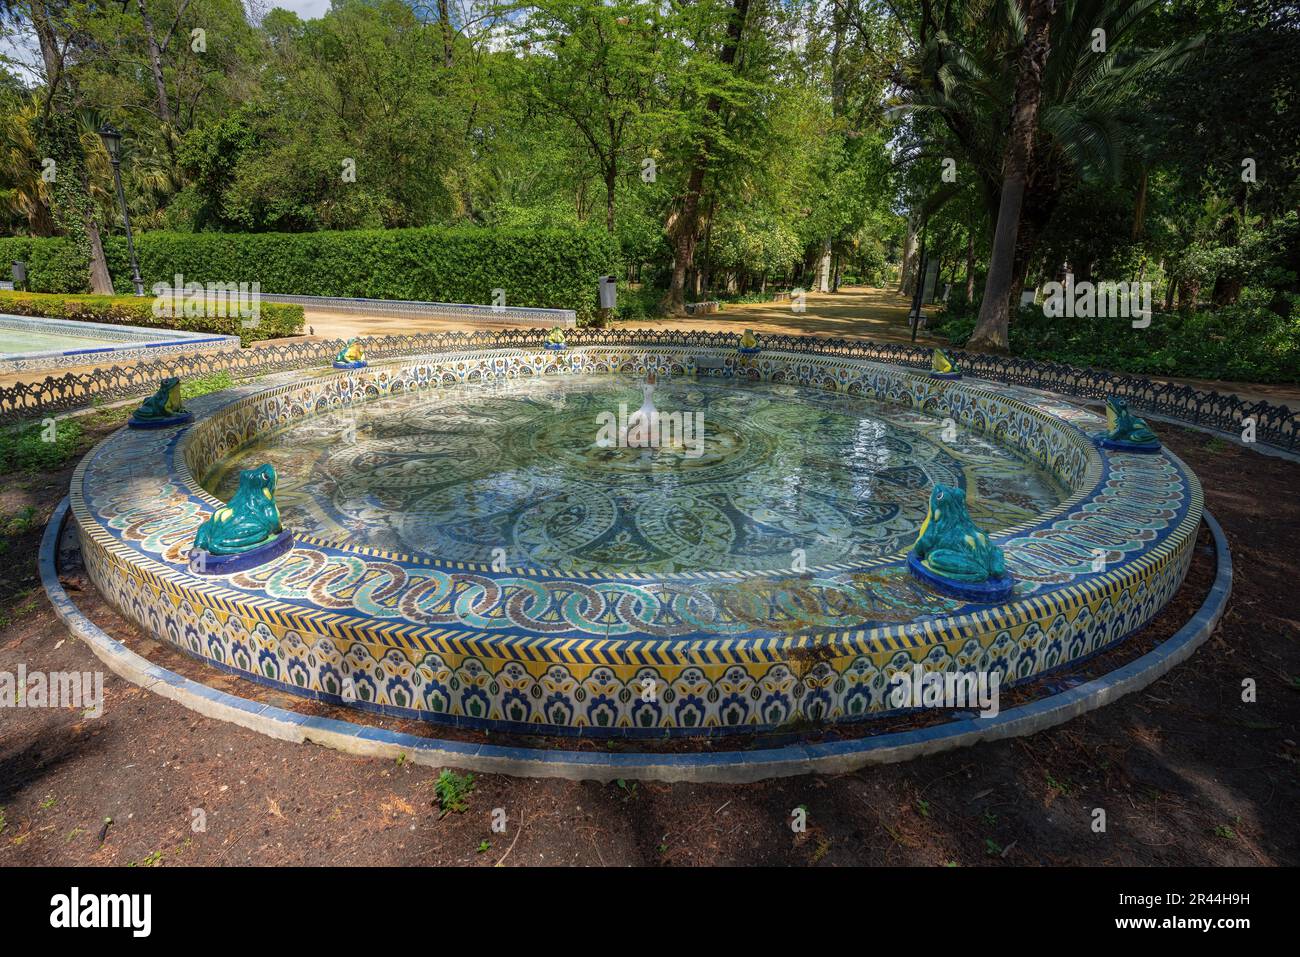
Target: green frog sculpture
351,356
555,339
942,366
1125,432
245,533
161,409
953,556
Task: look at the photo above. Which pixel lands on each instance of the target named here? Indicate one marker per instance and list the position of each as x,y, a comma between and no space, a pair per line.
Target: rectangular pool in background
33,343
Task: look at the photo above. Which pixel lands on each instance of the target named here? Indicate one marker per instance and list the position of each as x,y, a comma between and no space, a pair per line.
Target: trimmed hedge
276,320
548,267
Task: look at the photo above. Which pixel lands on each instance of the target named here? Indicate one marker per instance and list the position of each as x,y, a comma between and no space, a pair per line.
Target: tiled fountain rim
714,766
879,637
189,468
568,656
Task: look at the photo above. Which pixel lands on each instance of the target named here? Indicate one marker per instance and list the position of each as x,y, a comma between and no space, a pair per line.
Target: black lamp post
113,143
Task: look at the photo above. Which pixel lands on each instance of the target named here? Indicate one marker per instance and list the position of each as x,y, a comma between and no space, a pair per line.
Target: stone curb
719,767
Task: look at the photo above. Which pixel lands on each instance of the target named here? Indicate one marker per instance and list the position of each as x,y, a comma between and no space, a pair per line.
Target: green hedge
53,265
1247,342
551,267
275,321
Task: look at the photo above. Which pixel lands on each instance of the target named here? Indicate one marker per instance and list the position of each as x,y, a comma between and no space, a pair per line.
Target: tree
684,220
593,64
991,330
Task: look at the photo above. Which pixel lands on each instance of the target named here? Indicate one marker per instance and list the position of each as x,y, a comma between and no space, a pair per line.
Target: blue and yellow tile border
530,651
714,766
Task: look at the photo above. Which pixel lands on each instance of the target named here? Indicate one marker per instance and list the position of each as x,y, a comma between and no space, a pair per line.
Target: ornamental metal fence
1275,425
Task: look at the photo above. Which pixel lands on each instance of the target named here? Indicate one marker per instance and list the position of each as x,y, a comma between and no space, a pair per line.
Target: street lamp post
113,143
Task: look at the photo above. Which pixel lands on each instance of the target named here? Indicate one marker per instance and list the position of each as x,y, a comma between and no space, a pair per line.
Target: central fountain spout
643,424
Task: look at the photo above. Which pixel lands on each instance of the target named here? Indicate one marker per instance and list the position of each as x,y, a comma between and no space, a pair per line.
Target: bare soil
1186,772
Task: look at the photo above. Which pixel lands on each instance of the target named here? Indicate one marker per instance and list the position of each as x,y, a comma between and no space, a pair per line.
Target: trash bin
19,270
608,292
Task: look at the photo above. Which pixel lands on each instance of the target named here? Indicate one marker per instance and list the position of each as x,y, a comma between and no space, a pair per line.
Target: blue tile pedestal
181,419
993,590
205,563
945,375
359,364
1143,448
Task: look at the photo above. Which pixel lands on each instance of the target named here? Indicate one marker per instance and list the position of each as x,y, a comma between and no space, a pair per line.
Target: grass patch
43,446
453,791
202,385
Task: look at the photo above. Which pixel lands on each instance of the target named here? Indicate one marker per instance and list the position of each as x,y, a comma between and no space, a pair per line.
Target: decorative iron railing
1275,425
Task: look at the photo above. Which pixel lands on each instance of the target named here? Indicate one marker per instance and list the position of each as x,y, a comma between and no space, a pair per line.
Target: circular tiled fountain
468,551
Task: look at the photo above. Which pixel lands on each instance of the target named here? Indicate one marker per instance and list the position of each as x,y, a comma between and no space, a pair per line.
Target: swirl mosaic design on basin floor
541,649
462,472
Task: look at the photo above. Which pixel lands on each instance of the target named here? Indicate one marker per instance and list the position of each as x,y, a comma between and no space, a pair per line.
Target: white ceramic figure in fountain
643,424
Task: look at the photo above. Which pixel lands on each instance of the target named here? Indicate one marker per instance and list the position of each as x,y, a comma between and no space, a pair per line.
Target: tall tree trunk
682,229
824,268
1140,208
970,266
684,222
100,282
155,65
909,256
444,23
160,85
55,80
991,331
611,187
1031,227
1226,291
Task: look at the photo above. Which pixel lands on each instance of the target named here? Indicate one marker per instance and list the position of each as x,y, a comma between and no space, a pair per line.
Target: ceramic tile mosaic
417,632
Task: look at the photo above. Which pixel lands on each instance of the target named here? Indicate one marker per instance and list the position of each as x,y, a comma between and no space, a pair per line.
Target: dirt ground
1186,772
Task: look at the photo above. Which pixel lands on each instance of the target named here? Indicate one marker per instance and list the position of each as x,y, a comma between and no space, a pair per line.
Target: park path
862,312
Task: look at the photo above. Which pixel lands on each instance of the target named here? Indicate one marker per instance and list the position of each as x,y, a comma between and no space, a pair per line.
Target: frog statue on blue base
250,521
351,356
953,555
942,367
951,545
161,408
1125,431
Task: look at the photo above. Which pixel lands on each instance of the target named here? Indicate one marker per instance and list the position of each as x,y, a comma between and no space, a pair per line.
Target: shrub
1247,342
276,320
453,791
545,267
536,266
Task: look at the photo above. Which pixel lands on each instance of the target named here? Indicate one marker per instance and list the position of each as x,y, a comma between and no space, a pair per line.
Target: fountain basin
570,645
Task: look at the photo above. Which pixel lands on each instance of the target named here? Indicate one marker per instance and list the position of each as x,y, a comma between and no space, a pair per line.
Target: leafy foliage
1245,342
276,320
453,791
28,447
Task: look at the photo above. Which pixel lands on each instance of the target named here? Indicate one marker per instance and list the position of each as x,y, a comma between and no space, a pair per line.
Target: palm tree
1084,123
22,189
